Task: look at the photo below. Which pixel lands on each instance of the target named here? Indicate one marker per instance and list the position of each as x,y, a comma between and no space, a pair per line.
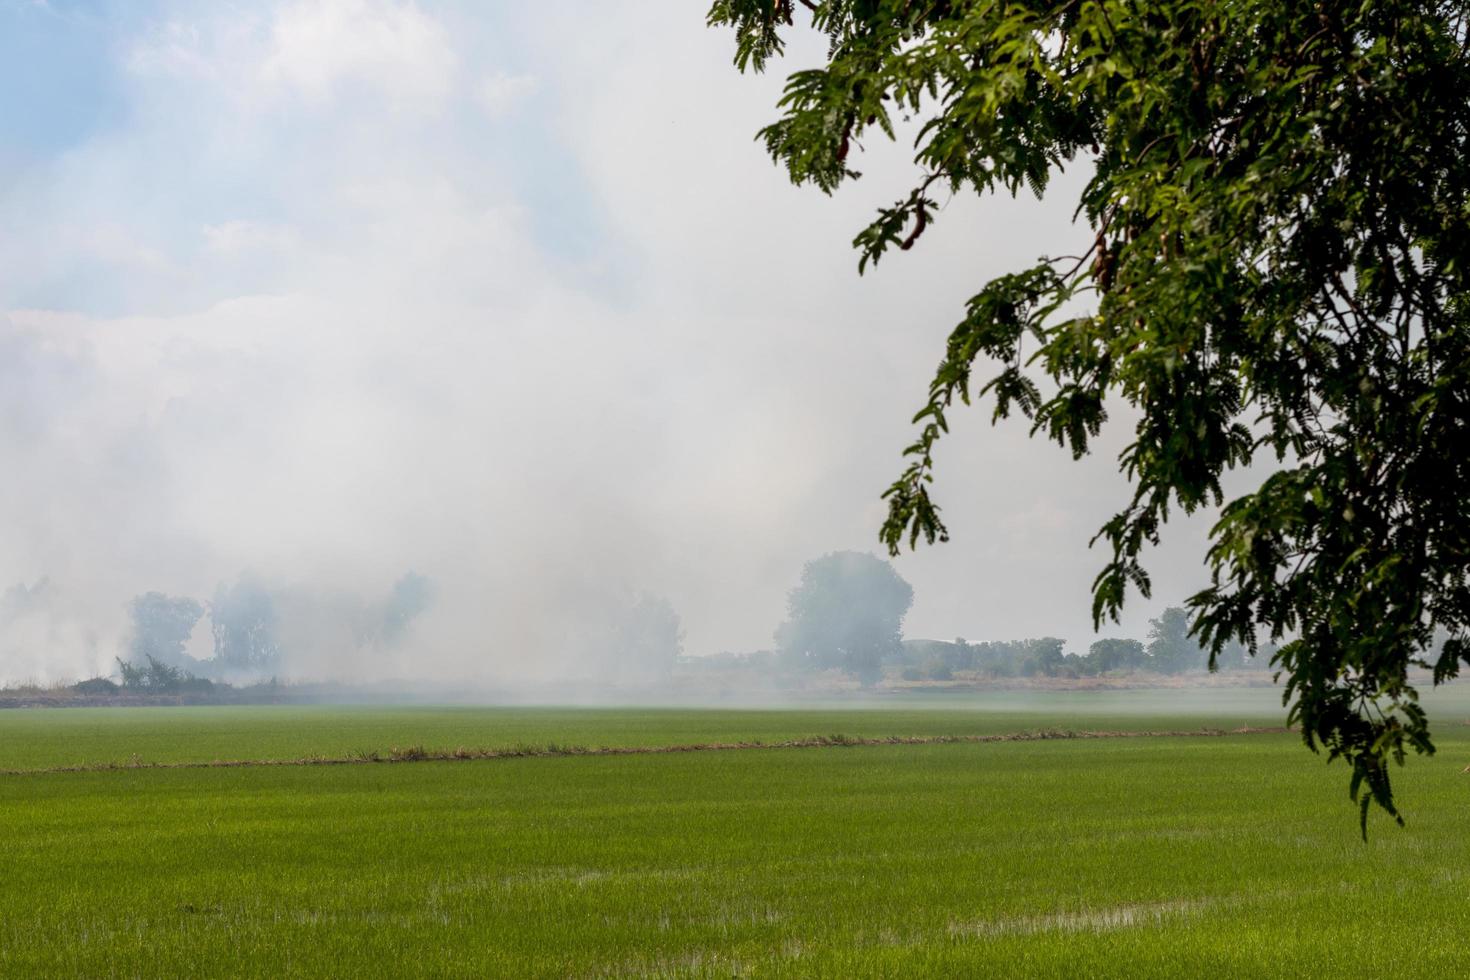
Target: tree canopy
411,596
648,637
1113,653
244,622
161,625
847,613
1171,648
1270,269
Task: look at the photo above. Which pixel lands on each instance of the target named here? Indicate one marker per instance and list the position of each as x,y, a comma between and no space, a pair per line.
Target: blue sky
57,62
85,79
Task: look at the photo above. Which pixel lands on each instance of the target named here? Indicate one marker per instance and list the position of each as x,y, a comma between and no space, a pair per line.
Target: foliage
1171,648
252,623
1171,651
847,613
1233,655
1045,656
412,595
647,640
999,658
244,623
1273,271
96,685
156,677
161,625
938,669
1116,654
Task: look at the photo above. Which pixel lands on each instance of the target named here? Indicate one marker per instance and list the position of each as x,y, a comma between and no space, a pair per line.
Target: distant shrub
939,670
157,677
911,674
189,684
150,680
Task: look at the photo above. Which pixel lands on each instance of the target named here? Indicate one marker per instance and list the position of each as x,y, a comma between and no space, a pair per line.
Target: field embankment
46,739
420,753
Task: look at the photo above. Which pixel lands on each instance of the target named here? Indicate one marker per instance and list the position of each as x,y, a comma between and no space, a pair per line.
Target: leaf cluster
1272,272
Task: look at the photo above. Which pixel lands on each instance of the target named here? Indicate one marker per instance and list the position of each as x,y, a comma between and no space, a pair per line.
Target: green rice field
1234,855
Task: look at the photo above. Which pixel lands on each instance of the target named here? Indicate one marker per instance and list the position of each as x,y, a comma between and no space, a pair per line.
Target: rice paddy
1147,856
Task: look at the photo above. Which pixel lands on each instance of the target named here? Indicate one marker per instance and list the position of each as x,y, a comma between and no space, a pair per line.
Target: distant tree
648,640
412,595
1233,655
923,653
244,623
150,674
133,675
998,658
1045,656
1080,665
938,669
1116,654
1171,648
161,625
847,613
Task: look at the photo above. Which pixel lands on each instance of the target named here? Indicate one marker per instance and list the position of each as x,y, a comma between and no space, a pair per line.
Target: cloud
174,49
500,93
319,47
315,52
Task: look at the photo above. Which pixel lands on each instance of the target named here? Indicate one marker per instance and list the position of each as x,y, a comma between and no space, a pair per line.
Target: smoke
330,289
40,628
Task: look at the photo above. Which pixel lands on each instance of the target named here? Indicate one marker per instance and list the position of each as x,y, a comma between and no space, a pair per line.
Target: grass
46,738
1122,857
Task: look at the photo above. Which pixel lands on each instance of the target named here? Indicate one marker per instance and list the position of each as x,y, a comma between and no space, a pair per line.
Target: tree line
258,631
847,614
246,626
1169,649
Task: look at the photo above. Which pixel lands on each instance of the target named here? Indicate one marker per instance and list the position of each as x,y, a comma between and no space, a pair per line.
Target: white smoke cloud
325,309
